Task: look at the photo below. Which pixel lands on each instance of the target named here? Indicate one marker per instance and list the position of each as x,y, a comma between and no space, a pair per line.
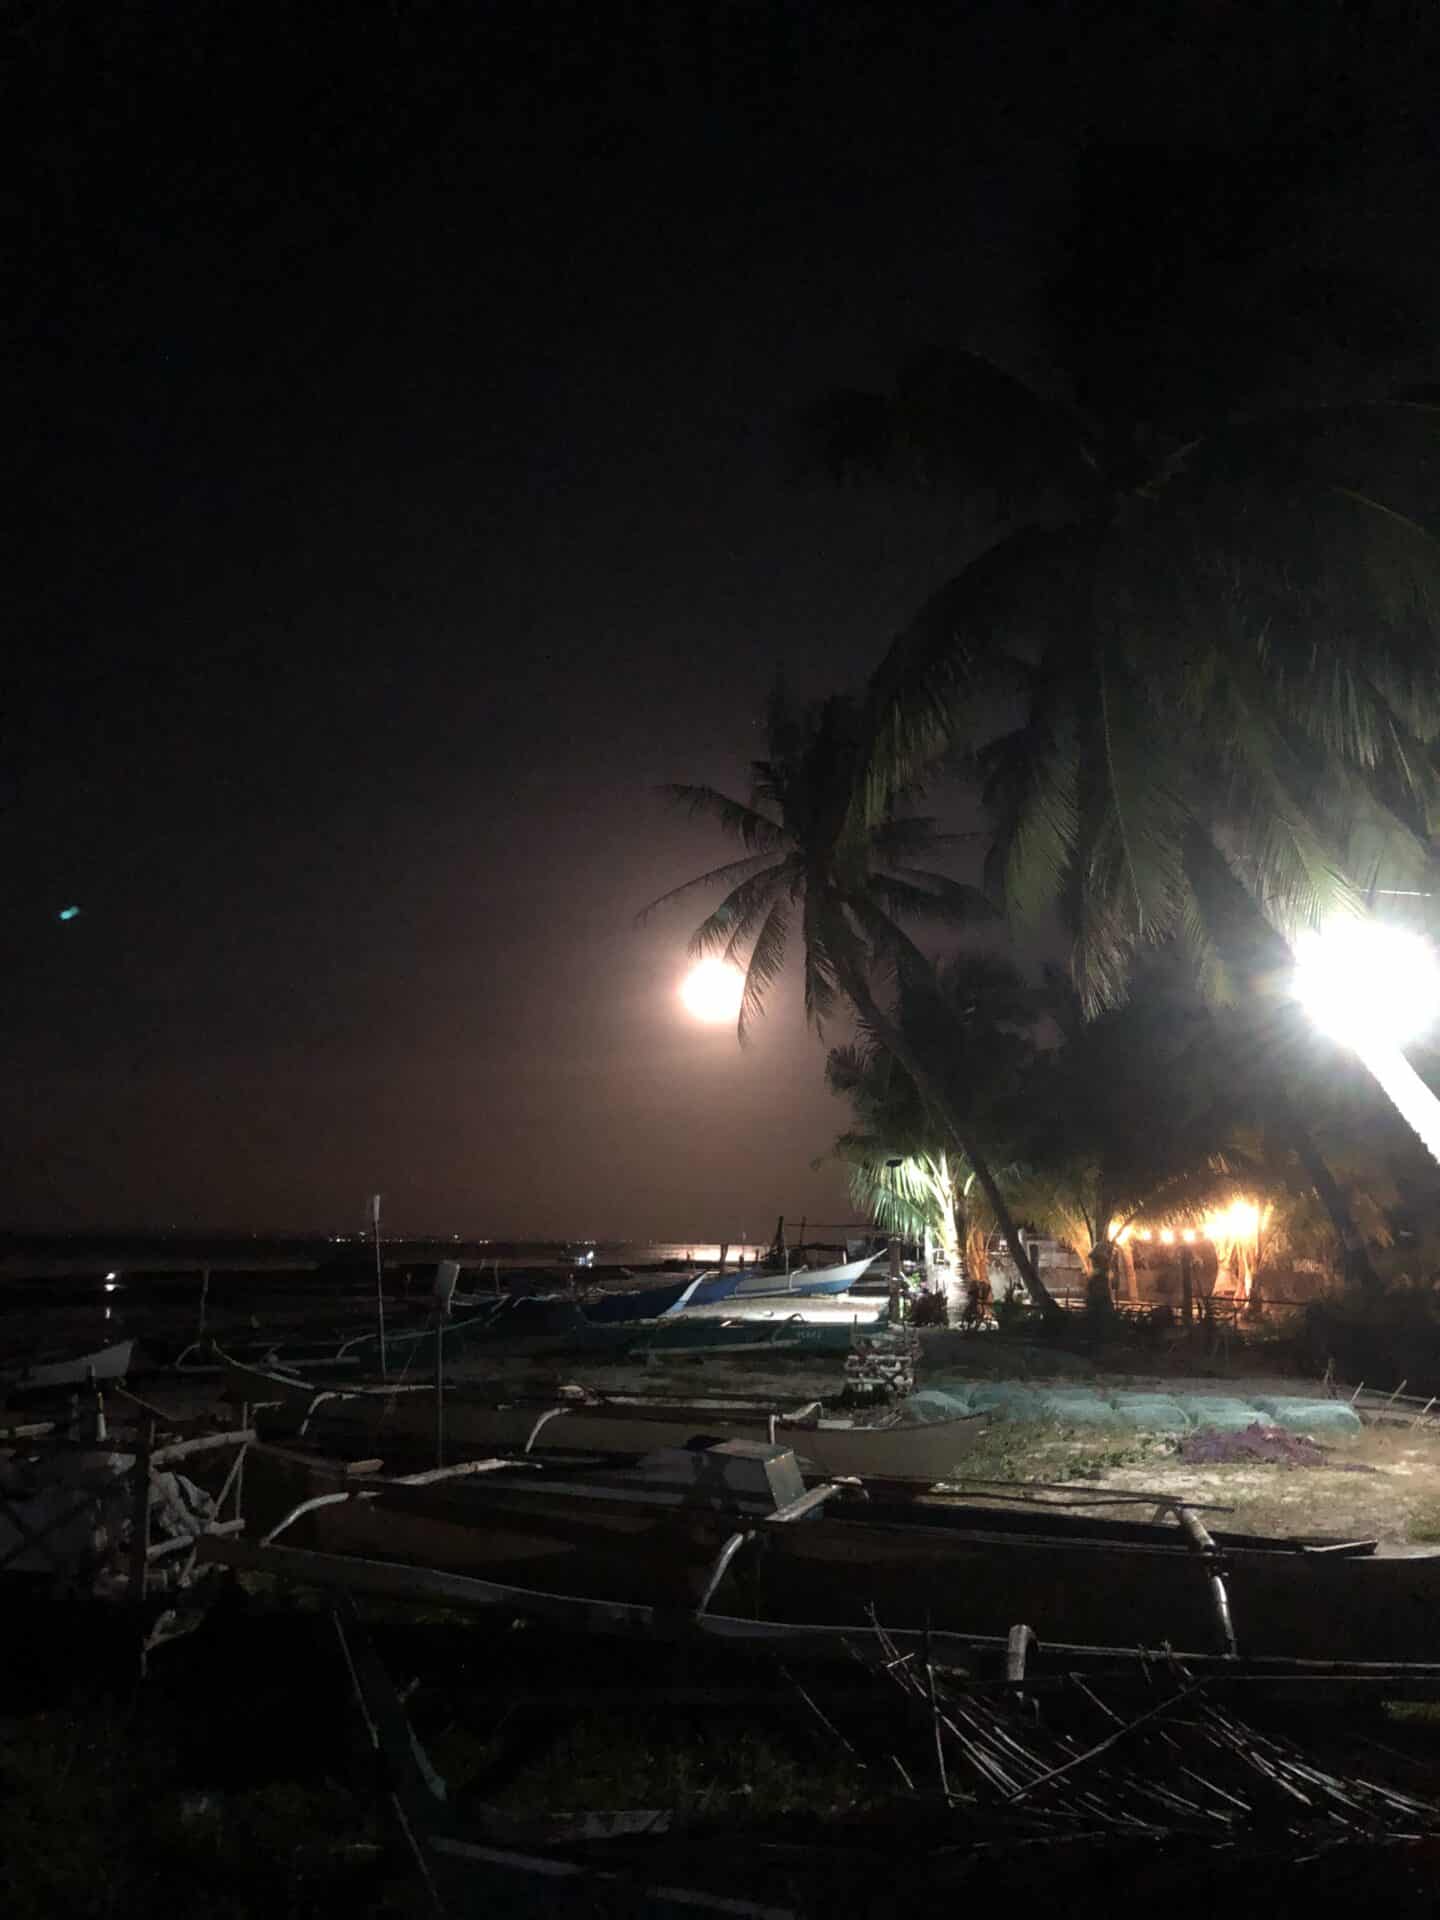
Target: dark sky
397,399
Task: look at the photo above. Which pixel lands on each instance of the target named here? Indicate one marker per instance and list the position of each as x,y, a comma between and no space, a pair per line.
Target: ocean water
648,1253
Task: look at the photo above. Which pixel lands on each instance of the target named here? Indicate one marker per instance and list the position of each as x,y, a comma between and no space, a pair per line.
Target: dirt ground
1383,1485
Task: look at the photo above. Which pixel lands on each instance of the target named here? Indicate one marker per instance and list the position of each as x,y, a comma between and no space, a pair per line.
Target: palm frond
911,836
947,673
1298,879
731,871
765,965
749,826
908,893
821,984
1137,824
738,914
1030,785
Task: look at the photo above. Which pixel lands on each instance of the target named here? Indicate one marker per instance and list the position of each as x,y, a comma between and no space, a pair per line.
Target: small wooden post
379,1282
140,1522
1020,1641
204,1295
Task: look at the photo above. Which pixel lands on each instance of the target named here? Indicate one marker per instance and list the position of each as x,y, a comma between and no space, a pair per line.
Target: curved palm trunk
1354,1258
857,989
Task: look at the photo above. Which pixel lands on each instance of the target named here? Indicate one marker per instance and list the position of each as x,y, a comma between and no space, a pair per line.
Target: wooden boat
755,1283
683,1528
67,1370
373,1417
817,1310
742,1333
515,1324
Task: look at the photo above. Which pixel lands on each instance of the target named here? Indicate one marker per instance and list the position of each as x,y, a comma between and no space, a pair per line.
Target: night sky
398,401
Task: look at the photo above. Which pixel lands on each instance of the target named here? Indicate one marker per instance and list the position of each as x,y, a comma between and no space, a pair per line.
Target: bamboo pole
379,1282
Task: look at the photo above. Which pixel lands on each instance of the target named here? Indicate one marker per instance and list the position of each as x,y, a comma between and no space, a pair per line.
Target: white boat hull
803,1281
107,1363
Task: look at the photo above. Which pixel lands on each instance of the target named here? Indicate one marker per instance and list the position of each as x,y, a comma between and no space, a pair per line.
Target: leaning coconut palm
901,1170
1229,652
1201,616
912,1195
810,859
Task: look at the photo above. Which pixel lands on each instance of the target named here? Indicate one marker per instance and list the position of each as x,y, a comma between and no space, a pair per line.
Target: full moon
712,991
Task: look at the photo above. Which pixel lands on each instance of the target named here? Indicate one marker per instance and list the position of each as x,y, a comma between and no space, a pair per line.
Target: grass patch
1423,1526
1029,1451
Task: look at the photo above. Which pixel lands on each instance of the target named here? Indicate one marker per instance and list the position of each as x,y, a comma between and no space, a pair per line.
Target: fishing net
1149,1412
1222,1412
1312,1416
936,1403
1076,1407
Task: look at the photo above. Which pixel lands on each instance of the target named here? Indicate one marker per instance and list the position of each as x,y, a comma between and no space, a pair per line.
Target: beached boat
767,1283
69,1369
738,1334
615,1305
515,1324
820,1310
664,1319
371,1418
734,1527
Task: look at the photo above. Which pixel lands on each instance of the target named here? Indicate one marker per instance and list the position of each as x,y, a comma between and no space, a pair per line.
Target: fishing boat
616,1306
769,1282
69,1369
667,1319
778,1331
820,1310
518,1325
734,1528
372,1418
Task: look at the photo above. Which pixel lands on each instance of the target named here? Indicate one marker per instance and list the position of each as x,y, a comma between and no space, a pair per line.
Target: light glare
1367,985
712,991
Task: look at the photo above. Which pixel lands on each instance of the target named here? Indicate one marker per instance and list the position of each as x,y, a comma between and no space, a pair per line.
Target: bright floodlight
1367,985
712,991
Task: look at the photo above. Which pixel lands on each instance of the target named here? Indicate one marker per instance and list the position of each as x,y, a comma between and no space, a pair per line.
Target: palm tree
849,881
900,1171
1226,655
904,1167
1132,1112
1200,624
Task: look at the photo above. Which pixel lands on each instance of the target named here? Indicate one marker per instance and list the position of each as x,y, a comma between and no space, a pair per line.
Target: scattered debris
1273,1446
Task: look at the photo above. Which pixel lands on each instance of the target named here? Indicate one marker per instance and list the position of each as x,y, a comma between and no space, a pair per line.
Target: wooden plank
807,1503
205,1443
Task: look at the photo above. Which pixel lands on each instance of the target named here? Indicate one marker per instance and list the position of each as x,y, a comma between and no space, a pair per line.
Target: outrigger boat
757,1283
376,1417
734,1529
68,1369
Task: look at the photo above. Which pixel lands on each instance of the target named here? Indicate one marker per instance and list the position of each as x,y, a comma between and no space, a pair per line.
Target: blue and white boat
762,1283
